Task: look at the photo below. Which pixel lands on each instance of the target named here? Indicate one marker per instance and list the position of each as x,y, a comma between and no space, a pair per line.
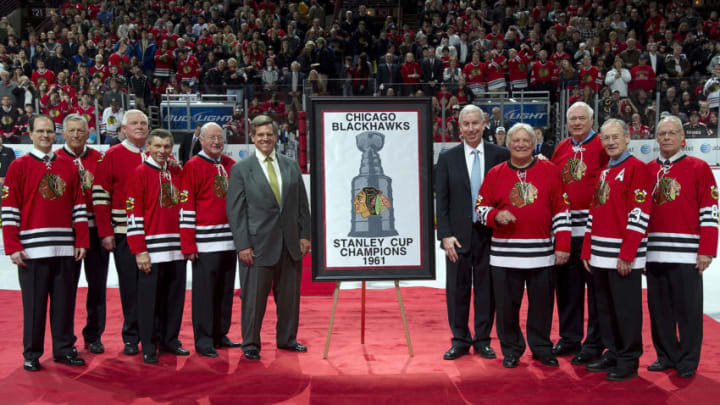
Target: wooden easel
362,317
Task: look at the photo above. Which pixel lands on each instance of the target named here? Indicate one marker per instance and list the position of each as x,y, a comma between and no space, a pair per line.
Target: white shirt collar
155,164
206,156
71,153
41,155
674,158
469,149
261,157
132,147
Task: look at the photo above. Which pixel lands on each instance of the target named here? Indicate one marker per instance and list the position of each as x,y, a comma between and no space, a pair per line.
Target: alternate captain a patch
51,186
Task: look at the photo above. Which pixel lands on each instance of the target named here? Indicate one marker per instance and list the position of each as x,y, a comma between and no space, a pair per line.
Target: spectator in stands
388,74
270,76
711,89
642,76
410,73
677,64
8,120
694,128
618,78
111,123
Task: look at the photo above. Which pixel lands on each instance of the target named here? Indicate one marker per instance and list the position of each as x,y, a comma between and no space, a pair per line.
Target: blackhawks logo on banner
668,189
573,170
370,201
523,194
51,186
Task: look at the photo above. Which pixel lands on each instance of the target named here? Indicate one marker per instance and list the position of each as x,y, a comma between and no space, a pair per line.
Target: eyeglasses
214,138
668,133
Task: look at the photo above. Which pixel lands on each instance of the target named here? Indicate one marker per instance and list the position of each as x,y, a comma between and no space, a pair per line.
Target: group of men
669,218
75,204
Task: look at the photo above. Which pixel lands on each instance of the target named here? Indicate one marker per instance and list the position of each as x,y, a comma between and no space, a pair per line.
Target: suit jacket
453,202
285,83
431,70
186,150
256,219
387,76
546,149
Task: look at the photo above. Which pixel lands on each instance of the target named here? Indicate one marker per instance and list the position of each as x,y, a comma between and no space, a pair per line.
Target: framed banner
372,191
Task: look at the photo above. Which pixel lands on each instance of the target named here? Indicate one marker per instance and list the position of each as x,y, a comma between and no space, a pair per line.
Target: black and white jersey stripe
637,221
561,222
578,221
604,252
187,219
10,216
522,253
48,242
164,247
709,216
119,220
664,247
214,238
100,196
136,226
79,213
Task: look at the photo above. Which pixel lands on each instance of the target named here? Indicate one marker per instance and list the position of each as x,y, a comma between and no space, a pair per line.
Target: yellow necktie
273,178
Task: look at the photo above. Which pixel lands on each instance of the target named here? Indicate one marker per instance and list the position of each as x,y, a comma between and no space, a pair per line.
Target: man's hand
540,156
703,262
79,253
108,243
561,257
246,256
305,246
504,217
143,262
449,244
586,263
624,267
192,257
18,258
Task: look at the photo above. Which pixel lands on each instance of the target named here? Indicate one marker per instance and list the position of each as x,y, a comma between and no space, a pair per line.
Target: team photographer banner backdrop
372,189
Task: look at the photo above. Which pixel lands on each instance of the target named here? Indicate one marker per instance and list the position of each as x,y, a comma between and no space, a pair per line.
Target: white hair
577,104
128,112
521,127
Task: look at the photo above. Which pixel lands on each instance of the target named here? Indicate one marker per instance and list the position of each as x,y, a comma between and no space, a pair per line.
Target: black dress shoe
131,349
658,366
95,347
621,375
32,365
548,360
206,352
297,347
601,365
70,360
456,352
178,351
485,351
565,349
252,354
510,362
150,358
226,342
582,358
686,373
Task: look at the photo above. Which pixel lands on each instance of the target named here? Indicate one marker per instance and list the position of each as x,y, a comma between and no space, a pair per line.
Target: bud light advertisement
533,114
174,115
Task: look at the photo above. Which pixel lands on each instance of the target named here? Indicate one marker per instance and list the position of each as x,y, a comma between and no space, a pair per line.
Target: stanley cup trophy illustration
372,201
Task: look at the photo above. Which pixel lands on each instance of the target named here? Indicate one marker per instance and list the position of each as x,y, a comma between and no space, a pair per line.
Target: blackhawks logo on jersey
602,192
130,204
169,195
5,192
187,69
7,120
640,196
86,179
101,158
573,170
184,196
666,190
220,186
370,201
566,198
523,194
714,192
51,186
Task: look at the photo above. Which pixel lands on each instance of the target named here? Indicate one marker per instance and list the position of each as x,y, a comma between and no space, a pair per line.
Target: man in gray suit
269,216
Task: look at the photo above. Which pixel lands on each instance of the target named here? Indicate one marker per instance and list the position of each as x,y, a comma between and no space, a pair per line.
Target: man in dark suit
292,84
190,146
269,216
466,242
388,75
543,147
431,72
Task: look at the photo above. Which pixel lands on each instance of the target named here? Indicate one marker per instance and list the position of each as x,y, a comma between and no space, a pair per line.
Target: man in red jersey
44,231
580,158
207,241
85,160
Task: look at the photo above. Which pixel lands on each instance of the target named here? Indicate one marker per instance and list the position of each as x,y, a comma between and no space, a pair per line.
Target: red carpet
378,372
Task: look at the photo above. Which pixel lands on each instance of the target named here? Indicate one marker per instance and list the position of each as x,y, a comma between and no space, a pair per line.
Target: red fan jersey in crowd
110,188
163,62
153,209
43,211
542,72
102,69
204,224
535,196
56,111
558,57
87,113
518,70
619,214
590,77
640,132
276,107
643,77
118,60
684,220
188,68
86,165
580,166
46,76
495,72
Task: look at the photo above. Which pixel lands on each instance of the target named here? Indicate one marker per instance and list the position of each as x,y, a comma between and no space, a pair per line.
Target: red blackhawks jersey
86,165
580,166
535,196
684,219
518,70
153,206
43,211
590,77
188,68
542,72
204,224
45,77
110,188
619,215
87,113
475,77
